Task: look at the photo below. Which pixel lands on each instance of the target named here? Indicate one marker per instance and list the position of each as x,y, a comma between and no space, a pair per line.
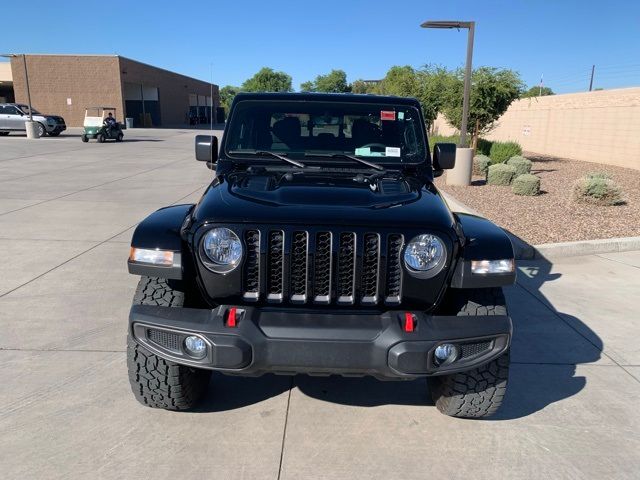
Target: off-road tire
479,392
157,382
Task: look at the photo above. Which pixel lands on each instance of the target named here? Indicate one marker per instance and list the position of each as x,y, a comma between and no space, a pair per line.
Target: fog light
445,353
195,346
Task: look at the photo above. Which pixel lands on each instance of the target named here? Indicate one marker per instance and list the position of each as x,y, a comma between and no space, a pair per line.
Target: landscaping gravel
553,216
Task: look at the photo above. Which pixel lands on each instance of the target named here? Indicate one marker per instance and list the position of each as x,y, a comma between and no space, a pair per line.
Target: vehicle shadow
547,345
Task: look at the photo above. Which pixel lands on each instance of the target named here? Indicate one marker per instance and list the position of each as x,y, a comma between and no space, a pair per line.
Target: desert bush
500,174
502,151
521,164
481,164
526,184
602,175
483,147
597,190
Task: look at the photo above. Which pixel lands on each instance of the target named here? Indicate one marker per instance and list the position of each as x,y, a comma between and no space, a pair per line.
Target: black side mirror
444,156
207,149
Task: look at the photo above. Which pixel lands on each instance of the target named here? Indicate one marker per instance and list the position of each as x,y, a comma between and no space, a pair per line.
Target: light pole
464,157
30,127
471,26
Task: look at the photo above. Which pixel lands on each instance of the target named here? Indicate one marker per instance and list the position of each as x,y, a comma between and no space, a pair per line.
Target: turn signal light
154,257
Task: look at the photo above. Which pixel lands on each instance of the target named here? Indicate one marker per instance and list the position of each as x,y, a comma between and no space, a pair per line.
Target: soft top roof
329,97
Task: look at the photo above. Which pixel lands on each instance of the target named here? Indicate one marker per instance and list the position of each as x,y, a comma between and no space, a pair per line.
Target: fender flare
484,240
161,231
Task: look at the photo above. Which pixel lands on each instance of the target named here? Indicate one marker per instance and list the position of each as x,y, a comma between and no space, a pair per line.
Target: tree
360,86
333,82
537,92
400,81
492,91
268,80
433,82
227,93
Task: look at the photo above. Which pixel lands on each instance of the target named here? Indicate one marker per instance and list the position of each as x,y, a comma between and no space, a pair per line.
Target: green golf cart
100,123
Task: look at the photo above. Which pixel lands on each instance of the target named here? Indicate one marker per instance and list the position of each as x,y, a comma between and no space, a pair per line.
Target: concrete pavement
67,211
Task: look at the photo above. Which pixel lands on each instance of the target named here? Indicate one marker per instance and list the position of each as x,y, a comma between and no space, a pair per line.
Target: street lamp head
446,24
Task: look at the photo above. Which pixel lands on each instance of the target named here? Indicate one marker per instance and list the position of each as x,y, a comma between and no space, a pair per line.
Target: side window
2,107
11,110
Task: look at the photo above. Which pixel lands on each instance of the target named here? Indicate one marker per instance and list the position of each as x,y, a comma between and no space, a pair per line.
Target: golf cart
96,125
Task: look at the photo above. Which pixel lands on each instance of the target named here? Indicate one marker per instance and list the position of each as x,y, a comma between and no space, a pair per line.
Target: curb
524,251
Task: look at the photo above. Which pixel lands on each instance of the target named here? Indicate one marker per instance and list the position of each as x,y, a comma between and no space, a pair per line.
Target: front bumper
318,343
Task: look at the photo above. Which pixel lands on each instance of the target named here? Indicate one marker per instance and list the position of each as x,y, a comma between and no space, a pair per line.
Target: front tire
41,130
100,138
119,137
85,139
476,393
156,382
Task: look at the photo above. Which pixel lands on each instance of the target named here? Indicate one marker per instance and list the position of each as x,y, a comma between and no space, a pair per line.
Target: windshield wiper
268,153
350,157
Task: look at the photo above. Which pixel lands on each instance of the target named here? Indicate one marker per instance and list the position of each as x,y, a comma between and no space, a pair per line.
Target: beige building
601,126
66,84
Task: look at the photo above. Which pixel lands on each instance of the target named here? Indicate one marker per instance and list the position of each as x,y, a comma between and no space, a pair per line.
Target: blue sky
558,38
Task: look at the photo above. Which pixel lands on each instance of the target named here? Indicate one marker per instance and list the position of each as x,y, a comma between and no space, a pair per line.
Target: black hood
318,198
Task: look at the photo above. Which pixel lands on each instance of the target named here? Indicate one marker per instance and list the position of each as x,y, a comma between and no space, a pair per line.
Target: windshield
25,109
380,133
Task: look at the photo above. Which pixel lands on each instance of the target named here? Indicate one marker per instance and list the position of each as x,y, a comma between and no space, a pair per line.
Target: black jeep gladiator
322,247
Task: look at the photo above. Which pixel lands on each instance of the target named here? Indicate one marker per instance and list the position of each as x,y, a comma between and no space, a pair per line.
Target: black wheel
100,138
41,130
157,382
55,133
479,392
119,137
84,138
4,134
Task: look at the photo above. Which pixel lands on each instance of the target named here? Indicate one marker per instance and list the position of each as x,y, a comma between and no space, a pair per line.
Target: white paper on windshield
392,152
364,151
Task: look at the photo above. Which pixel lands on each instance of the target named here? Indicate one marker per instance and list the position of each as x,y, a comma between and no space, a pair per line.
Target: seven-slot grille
322,267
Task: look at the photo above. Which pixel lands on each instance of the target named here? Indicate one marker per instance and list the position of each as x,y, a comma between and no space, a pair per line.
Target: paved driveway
67,211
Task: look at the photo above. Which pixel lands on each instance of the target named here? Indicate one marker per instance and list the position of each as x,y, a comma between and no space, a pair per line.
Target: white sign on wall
526,130
69,101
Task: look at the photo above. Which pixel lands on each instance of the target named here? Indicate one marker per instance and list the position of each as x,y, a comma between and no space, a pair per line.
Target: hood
323,199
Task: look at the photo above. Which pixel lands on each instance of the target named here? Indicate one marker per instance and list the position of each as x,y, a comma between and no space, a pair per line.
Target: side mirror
207,149
444,156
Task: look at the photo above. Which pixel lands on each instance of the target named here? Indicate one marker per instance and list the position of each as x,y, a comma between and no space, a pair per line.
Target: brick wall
86,80
174,89
601,126
98,80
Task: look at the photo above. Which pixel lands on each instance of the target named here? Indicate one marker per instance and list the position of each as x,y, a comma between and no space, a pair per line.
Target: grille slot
322,267
299,267
252,266
346,268
370,268
275,266
471,349
394,270
168,340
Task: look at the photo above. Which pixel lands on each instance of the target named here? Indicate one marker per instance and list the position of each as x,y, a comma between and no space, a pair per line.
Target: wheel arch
162,231
483,240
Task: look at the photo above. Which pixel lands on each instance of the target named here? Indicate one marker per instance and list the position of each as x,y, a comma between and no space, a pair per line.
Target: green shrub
521,164
526,184
483,147
597,190
481,165
500,174
502,151
600,175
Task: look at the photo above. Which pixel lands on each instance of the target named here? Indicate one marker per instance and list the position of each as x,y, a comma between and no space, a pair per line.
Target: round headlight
425,255
222,249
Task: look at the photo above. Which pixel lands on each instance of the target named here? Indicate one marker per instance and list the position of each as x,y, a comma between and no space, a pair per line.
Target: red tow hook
409,322
231,318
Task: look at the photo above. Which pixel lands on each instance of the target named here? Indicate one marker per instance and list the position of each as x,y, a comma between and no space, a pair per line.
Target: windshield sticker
400,115
363,151
387,115
392,151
